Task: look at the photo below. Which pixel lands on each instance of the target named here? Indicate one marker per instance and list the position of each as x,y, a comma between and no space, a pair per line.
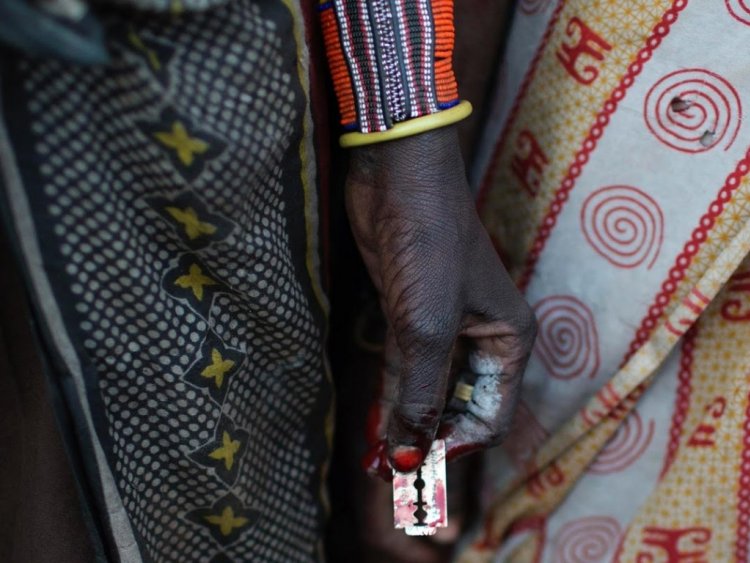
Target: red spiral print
693,110
568,343
532,6
624,225
625,447
739,10
587,539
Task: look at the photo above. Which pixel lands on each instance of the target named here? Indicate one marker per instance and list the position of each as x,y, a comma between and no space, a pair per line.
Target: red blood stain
459,450
375,461
407,458
400,482
440,503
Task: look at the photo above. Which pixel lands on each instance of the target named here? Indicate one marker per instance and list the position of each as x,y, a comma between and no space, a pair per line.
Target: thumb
421,396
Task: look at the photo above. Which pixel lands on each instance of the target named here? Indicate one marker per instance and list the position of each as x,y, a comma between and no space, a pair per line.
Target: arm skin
439,280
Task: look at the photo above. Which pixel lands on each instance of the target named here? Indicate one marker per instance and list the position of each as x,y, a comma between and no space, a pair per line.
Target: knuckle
416,418
427,331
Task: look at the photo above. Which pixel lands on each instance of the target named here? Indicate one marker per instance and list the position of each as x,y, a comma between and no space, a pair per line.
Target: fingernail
406,458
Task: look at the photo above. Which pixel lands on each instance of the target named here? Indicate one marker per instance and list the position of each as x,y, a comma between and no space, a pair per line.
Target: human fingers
426,349
502,332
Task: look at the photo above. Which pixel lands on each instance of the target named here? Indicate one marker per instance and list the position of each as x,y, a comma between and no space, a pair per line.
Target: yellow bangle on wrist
408,128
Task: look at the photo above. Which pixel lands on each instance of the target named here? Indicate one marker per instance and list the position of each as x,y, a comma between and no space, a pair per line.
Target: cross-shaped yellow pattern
226,451
227,521
184,145
189,219
194,280
218,368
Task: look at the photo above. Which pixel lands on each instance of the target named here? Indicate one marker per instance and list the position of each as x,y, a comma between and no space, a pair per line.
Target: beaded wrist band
407,128
391,62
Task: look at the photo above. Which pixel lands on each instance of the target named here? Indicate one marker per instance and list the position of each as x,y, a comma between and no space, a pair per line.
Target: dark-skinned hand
440,282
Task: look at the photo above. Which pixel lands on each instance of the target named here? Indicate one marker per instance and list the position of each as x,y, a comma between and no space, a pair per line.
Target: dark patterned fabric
164,207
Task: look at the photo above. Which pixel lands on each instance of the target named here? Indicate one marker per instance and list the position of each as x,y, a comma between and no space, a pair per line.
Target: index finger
420,400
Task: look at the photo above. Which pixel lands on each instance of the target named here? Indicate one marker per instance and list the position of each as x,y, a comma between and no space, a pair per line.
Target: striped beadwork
390,60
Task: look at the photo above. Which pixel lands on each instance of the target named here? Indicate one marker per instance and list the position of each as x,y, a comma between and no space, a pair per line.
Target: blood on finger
460,450
407,458
456,449
375,461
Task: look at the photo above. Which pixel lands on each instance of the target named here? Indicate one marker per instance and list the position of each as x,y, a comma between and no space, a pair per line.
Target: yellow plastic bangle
408,128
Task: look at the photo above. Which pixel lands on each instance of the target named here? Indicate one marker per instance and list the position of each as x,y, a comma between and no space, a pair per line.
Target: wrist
431,159
418,182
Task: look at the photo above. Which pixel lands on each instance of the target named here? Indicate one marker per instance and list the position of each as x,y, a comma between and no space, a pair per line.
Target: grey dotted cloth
167,207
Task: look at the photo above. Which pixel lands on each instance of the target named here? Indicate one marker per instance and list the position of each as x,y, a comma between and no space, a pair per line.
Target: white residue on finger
486,398
483,363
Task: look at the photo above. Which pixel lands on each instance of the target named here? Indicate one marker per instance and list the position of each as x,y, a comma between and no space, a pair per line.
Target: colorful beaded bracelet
391,64
408,128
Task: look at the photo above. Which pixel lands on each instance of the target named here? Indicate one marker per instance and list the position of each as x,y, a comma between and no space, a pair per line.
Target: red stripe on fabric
685,258
481,199
660,31
692,306
533,523
700,296
682,398
743,493
670,327
620,546
536,525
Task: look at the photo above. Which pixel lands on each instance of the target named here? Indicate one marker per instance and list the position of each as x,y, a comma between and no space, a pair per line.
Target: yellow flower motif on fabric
195,280
184,145
217,369
189,219
227,521
226,451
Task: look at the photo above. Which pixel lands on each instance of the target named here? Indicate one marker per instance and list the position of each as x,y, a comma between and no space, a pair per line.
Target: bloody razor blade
419,498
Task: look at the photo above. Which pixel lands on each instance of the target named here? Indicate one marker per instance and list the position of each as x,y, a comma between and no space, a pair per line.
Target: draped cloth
164,207
613,179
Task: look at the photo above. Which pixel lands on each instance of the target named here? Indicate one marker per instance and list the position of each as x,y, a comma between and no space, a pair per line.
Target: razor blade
420,504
